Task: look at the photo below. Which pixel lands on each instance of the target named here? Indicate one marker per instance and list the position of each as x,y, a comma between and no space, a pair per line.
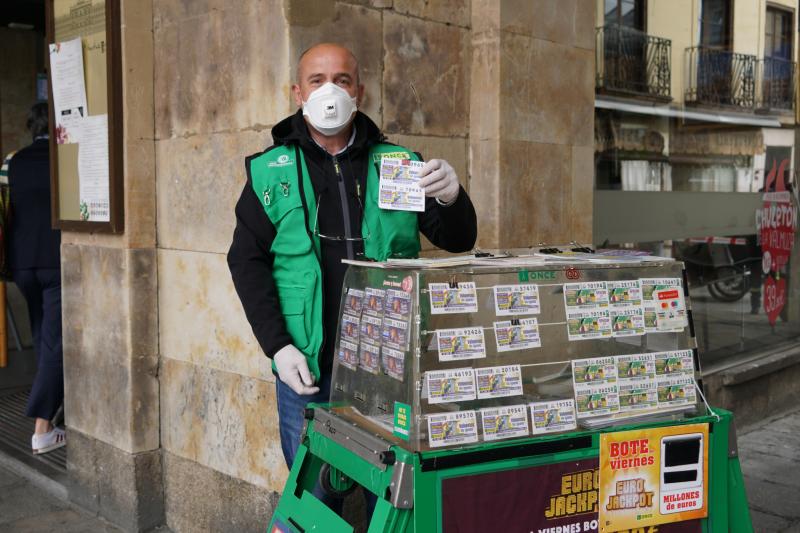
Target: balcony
720,78
632,63
777,84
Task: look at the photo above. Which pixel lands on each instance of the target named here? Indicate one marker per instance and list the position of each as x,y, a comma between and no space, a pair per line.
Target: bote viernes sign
653,476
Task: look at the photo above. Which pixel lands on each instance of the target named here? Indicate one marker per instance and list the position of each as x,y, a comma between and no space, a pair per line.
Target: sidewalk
770,458
25,508
769,453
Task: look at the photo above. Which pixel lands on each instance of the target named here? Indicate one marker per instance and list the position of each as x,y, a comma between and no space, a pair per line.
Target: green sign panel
541,275
402,420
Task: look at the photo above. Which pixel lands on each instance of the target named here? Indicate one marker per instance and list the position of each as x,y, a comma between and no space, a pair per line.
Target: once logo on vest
282,161
376,158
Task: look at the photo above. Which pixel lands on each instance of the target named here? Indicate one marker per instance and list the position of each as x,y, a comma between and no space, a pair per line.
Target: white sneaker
47,442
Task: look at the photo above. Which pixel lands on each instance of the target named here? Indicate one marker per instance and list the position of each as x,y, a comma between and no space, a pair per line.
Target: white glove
293,370
439,180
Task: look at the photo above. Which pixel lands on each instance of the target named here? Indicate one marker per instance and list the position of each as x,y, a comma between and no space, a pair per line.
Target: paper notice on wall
399,188
69,88
93,168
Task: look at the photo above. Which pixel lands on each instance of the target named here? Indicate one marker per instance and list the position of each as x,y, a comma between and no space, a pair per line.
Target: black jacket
452,228
32,243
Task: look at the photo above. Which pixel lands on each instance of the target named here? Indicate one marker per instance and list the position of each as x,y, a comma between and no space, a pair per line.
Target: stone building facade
170,402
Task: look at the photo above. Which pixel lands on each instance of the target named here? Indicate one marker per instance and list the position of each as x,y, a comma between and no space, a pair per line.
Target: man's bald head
312,55
327,63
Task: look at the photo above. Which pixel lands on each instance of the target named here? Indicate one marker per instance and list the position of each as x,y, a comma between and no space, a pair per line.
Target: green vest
287,195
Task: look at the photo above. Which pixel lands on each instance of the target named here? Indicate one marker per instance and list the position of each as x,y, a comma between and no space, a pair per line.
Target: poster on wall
653,476
776,222
552,498
69,89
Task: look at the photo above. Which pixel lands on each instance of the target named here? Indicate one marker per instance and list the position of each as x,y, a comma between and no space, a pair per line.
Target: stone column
532,121
111,322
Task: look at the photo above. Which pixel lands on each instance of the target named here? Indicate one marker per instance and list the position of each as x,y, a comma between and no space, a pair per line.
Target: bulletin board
85,96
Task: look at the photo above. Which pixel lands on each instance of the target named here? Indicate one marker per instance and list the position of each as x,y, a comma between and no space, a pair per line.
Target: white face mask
329,109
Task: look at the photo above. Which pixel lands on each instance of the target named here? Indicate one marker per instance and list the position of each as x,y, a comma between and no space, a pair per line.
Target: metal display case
519,394
373,373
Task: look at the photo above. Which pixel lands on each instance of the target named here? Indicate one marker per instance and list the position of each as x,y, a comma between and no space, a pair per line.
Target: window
628,13
715,24
778,34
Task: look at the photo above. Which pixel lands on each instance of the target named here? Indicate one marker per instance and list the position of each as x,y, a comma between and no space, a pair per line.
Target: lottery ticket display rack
553,395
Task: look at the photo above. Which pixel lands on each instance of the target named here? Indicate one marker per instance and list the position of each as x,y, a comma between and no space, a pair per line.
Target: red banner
776,222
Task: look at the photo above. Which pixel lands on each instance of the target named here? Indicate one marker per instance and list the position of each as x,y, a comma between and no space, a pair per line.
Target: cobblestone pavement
770,456
26,508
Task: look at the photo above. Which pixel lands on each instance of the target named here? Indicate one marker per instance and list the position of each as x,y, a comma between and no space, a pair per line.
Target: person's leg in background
291,418
47,393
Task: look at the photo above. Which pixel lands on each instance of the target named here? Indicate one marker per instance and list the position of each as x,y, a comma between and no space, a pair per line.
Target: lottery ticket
448,429
498,381
516,300
460,343
395,334
450,385
627,321
676,390
349,329
352,301
636,367
596,400
636,396
398,186
373,302
463,298
393,363
582,325
504,422
397,304
517,335
585,296
348,354
370,358
625,293
674,363
594,371
371,329
552,417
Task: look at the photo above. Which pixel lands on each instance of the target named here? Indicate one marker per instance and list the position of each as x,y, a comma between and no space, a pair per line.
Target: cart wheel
335,482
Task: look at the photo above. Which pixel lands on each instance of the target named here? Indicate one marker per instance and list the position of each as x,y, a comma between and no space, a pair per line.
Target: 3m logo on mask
330,110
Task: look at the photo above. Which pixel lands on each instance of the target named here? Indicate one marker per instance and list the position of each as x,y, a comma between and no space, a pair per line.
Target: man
310,201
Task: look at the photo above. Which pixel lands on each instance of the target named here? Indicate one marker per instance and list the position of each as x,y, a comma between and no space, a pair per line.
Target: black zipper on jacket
345,208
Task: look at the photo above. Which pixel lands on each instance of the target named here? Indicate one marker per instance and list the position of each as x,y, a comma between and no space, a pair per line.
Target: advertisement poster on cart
653,476
552,498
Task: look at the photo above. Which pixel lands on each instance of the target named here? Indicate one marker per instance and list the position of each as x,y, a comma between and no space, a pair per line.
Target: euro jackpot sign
651,477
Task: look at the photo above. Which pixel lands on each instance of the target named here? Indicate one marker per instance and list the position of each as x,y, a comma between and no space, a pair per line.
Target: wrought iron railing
719,77
777,83
631,61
